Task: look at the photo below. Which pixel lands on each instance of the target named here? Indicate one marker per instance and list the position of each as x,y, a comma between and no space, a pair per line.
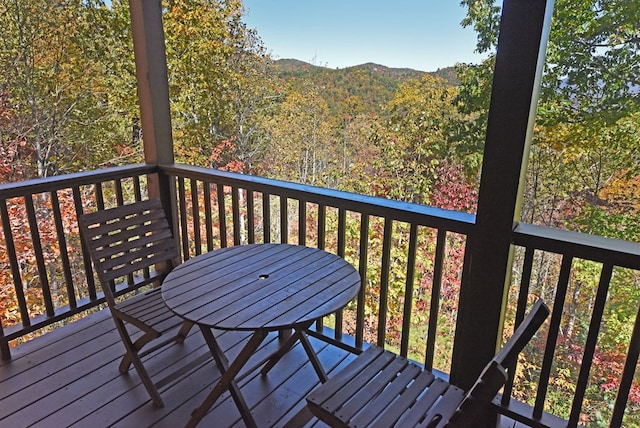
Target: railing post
524,30
153,94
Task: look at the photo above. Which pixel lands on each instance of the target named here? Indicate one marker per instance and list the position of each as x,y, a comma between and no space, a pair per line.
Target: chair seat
382,389
149,312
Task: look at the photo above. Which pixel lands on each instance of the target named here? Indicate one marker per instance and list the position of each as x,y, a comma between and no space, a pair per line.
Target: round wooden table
258,288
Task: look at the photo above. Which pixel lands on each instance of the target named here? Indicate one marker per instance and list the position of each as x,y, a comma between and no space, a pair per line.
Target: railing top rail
590,247
453,221
39,185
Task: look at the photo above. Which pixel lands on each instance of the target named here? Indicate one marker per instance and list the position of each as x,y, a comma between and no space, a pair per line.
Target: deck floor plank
70,377
91,395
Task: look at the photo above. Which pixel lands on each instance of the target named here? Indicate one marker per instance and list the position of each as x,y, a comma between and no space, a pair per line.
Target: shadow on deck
69,377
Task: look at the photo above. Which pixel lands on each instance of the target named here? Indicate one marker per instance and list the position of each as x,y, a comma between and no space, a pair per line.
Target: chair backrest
129,241
494,375
523,334
469,412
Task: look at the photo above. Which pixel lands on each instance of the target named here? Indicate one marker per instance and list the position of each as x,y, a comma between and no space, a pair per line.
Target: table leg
282,350
313,357
299,334
227,380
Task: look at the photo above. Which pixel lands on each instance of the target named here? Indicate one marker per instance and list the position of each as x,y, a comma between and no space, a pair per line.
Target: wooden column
524,30
153,94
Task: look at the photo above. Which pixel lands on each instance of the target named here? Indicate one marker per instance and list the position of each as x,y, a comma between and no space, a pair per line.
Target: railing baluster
137,188
590,345
99,196
251,221
235,209
222,215
434,307
322,226
86,259
363,263
408,291
384,281
195,215
119,193
13,262
64,255
342,221
137,193
182,204
284,219
322,232
37,249
117,183
5,353
520,312
208,219
302,222
552,338
266,218
627,375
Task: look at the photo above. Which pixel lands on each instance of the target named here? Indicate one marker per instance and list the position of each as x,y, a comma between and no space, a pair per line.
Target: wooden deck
70,377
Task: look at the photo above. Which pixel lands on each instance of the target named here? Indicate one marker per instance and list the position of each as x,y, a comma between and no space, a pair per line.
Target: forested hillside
373,84
68,103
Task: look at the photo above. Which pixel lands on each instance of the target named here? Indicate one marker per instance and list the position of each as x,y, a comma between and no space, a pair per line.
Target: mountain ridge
374,84
297,63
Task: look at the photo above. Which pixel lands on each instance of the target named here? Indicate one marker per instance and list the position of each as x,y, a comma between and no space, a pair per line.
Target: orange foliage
623,192
222,157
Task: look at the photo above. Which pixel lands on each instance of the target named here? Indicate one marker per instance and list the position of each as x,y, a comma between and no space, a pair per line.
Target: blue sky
420,34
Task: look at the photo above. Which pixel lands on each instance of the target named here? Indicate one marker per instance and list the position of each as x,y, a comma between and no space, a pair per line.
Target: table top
260,286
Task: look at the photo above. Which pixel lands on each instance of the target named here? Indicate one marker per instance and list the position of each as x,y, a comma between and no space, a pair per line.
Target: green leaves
63,85
220,81
484,16
594,56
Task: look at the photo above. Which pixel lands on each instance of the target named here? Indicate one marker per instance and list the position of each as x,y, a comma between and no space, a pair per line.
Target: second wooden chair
382,389
132,246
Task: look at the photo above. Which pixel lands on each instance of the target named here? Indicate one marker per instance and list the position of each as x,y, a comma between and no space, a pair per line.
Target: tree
594,65
219,79
590,98
362,144
301,139
421,125
13,146
55,85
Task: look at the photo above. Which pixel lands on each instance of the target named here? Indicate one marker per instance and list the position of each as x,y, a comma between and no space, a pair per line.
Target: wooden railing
46,276
409,257
553,263
380,237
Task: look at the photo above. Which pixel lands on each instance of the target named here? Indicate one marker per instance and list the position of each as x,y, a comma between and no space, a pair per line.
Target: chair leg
131,357
4,349
136,346
300,419
147,382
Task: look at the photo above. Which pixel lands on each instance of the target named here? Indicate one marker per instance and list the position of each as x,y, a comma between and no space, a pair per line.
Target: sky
420,34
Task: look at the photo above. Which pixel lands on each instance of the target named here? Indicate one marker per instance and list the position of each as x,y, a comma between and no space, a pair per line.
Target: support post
524,29
153,95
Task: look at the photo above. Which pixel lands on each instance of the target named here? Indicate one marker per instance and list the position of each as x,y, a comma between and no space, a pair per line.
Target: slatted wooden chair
381,389
132,246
